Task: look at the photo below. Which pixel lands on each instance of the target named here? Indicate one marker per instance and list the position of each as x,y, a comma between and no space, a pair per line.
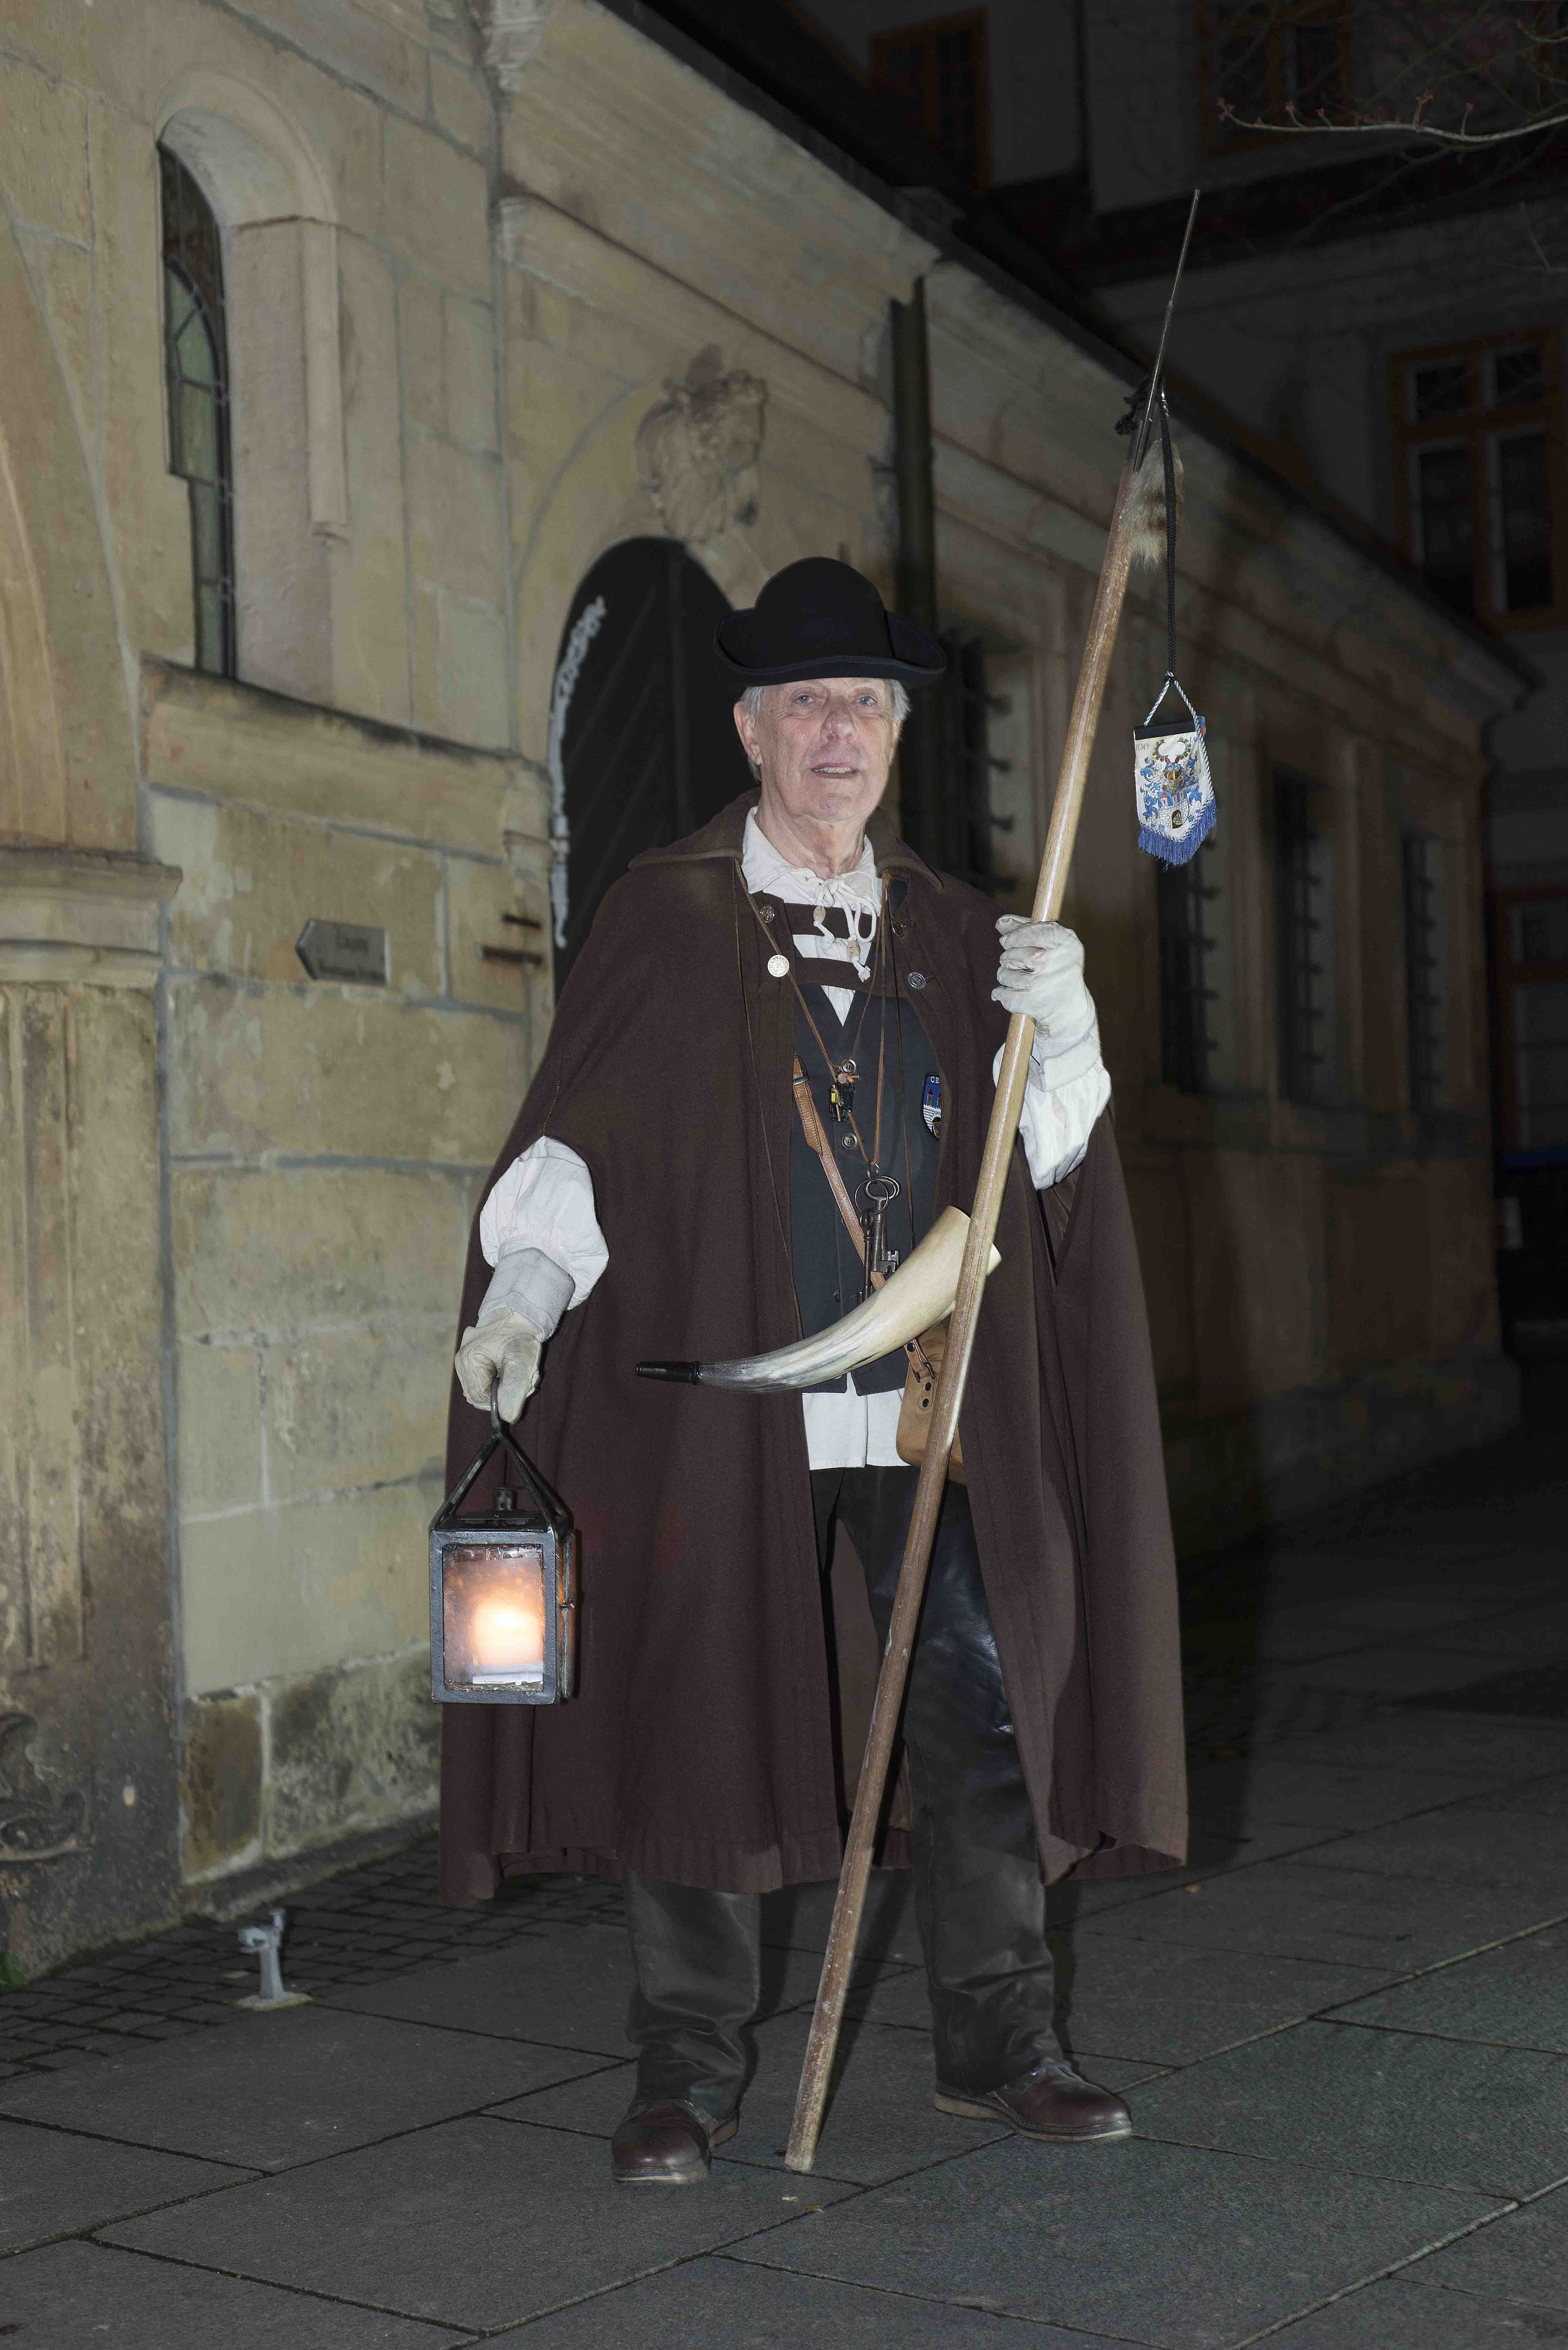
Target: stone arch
278,215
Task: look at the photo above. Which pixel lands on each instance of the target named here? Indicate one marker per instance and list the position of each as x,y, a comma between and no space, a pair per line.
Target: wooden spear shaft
1012,1078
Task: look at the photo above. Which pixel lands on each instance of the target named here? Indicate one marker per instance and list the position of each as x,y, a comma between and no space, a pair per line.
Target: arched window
196,364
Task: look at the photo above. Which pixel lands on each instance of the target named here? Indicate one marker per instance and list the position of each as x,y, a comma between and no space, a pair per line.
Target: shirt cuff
534,1285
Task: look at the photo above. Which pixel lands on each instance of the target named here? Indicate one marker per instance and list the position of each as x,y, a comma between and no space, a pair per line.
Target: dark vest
829,1275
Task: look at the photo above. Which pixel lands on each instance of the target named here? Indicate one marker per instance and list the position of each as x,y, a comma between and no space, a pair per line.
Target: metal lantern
504,1590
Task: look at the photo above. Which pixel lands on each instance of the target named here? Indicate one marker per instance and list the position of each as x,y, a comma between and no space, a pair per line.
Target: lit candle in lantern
507,1635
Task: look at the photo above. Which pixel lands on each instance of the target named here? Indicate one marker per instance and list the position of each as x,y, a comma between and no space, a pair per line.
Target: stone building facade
500,295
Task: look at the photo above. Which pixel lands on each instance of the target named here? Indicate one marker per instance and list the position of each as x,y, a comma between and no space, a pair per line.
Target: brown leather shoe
666,2145
1052,2102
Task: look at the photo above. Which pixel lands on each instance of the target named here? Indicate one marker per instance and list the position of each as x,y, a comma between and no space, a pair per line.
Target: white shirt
545,1202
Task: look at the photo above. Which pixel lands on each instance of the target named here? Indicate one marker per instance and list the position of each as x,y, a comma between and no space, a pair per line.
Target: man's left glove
527,1296
501,1344
1042,974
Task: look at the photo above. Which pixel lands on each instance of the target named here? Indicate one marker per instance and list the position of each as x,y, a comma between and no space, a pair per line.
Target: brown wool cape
700,1747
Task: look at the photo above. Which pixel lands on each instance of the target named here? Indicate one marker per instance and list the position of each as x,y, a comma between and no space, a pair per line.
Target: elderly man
790,990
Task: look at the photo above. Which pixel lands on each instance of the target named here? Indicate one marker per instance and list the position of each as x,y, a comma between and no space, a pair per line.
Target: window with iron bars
1302,916
1424,1040
961,709
1187,951
196,369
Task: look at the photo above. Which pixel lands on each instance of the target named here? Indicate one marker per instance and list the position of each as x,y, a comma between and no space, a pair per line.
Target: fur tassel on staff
1129,520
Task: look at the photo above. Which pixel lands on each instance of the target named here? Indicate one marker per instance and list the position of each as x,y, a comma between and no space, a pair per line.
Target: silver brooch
916,979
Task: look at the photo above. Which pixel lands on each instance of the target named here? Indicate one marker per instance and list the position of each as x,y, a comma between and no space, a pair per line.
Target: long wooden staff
1012,1078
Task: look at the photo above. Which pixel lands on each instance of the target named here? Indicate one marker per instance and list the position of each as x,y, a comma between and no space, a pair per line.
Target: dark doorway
643,748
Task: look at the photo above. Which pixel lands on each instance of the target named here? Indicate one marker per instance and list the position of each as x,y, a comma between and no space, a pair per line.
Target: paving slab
568,1989
84,2296
736,2305
1544,1798
1150,2004
1399,2314
1500,1746
1403,2105
1386,1672
480,2224
1342,1916
1264,1789
1521,2257
54,2183
1171,2005
272,2090
1513,1997
880,2119
1482,1846
1172,2246
1538,1632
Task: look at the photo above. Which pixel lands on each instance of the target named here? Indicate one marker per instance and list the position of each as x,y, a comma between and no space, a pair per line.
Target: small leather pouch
925,1354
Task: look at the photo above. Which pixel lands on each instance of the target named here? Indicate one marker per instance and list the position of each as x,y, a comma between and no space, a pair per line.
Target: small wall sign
343,951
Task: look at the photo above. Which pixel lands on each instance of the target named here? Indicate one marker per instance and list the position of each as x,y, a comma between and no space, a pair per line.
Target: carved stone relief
697,450
37,1822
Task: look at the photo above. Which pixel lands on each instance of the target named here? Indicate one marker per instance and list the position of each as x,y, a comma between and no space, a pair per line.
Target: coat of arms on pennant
1174,790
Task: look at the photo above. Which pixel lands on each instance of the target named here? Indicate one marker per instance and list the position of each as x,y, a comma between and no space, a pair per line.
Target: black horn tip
690,1372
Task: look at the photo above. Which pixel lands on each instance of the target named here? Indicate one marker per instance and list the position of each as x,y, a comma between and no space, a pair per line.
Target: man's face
824,746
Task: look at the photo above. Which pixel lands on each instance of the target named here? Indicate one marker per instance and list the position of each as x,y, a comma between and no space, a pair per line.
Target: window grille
1302,910
936,74
1423,969
962,707
1187,948
196,368
1533,937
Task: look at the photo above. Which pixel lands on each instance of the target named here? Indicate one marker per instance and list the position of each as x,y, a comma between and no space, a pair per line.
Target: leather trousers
979,1900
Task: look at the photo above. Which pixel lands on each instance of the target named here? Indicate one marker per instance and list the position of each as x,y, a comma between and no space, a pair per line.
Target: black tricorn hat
822,619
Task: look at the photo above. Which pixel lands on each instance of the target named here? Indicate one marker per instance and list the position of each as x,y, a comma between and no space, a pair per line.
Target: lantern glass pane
492,1615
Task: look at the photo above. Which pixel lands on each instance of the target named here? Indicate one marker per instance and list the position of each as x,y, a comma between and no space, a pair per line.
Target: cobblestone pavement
1343,2030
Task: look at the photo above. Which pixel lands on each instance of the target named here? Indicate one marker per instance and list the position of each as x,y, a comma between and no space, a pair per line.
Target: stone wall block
471,670
221,1782
419,349
218,1429
350,1748
312,1070
435,206
281,1248
204,734
460,103
468,360
478,898
454,521
252,884
285,1591
361,44
44,152
370,572
357,1407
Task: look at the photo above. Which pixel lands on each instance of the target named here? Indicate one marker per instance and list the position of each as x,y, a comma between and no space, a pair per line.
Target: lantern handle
550,1503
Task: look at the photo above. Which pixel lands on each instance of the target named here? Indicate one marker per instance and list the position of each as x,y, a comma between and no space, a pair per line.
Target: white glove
500,1343
527,1296
1040,973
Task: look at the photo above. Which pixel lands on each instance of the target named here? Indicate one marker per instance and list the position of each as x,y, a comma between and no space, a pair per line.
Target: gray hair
751,701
